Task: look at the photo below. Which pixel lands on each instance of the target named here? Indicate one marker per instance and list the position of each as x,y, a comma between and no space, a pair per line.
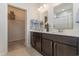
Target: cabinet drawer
36,34
70,40
66,39
61,38
49,36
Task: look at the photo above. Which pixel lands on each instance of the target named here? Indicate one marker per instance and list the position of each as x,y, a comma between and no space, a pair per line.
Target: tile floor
17,48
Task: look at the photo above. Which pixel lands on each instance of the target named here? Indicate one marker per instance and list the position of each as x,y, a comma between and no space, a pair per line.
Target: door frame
25,22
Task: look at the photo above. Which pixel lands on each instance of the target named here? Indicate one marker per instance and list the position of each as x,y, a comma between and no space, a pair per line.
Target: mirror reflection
63,16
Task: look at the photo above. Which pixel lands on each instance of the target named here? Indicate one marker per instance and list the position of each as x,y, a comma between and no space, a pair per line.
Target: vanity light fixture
39,9
42,7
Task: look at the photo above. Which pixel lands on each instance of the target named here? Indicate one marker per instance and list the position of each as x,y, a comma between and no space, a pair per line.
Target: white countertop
74,34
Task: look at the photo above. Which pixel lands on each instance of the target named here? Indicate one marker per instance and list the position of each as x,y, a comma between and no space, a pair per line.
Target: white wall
3,29
75,8
30,14
50,16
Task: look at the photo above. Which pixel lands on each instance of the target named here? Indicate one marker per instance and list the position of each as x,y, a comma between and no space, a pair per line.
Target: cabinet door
33,43
65,50
36,41
38,44
58,49
47,47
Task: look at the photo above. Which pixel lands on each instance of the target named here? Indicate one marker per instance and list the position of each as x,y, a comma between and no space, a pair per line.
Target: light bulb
38,9
41,7
44,5
63,9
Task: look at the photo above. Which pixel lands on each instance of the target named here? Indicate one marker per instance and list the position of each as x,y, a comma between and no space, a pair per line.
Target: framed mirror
63,16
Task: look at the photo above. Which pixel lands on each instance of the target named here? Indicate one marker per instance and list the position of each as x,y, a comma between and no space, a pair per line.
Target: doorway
16,28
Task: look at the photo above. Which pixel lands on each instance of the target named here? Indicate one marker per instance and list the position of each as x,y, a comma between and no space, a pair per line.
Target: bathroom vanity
57,43
49,44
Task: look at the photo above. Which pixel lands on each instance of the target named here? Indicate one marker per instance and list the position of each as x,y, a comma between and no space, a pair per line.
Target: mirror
45,20
46,25
44,17
63,16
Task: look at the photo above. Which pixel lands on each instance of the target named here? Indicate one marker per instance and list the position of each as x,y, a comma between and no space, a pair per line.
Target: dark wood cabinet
58,49
64,50
33,40
36,41
38,44
55,45
47,47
